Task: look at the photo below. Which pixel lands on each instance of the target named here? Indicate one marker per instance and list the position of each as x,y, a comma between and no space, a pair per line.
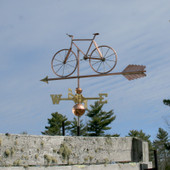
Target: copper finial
78,109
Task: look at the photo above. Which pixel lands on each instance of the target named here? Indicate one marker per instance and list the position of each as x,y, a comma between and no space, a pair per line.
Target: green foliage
160,144
166,102
139,134
24,133
73,128
114,135
99,120
55,124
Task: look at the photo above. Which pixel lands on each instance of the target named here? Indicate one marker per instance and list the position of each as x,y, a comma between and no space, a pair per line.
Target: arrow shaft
97,75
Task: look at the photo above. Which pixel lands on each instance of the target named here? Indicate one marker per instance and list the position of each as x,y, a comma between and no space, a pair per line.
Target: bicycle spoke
70,56
57,64
58,60
110,55
71,61
107,52
61,56
59,69
96,62
102,51
63,70
70,65
96,52
104,67
110,60
99,66
108,64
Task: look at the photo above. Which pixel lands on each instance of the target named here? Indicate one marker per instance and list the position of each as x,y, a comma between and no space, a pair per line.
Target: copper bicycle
102,59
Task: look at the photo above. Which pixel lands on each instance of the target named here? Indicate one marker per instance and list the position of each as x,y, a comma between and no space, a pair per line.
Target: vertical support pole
78,126
78,86
63,128
156,160
78,69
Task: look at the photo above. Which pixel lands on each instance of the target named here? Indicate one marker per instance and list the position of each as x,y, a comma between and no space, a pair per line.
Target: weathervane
102,60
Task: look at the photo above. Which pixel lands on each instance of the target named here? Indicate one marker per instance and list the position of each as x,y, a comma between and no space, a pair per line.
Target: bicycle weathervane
102,60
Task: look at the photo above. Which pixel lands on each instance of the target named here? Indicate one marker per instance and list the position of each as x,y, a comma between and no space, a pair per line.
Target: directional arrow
131,72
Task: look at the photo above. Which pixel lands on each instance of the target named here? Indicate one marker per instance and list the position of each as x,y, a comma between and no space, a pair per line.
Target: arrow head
45,79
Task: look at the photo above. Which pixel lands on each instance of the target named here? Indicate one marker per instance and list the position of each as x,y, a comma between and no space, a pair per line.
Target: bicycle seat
69,35
96,34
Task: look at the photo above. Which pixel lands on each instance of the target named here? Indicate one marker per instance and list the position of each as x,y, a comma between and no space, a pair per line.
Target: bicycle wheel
60,68
106,63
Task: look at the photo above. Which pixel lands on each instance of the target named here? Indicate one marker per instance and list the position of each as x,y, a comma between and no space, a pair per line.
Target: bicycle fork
65,60
98,49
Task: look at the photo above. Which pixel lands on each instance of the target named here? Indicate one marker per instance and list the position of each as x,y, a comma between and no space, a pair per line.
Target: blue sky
32,31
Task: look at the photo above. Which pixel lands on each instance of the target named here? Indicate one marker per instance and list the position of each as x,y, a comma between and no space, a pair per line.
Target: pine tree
160,144
73,128
166,102
114,135
141,135
55,124
99,120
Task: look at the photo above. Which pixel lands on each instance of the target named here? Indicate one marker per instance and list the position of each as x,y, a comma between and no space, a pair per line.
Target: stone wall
118,166
30,150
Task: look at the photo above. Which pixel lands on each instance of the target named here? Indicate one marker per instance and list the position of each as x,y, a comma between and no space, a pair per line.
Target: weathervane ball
78,90
78,109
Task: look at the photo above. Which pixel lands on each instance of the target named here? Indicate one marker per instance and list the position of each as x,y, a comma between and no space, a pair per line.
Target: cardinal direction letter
70,94
56,98
101,100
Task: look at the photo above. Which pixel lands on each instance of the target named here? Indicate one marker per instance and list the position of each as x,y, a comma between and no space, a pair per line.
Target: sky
31,32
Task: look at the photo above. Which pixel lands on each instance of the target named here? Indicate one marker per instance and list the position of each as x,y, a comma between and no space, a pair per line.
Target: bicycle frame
85,55
102,59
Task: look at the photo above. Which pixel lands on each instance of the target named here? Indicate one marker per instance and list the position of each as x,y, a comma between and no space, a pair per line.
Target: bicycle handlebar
96,34
71,36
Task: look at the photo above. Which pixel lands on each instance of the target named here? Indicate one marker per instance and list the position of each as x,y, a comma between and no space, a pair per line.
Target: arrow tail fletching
132,72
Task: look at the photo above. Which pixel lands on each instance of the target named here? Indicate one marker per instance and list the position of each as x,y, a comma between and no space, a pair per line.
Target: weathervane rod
78,84
95,75
78,70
